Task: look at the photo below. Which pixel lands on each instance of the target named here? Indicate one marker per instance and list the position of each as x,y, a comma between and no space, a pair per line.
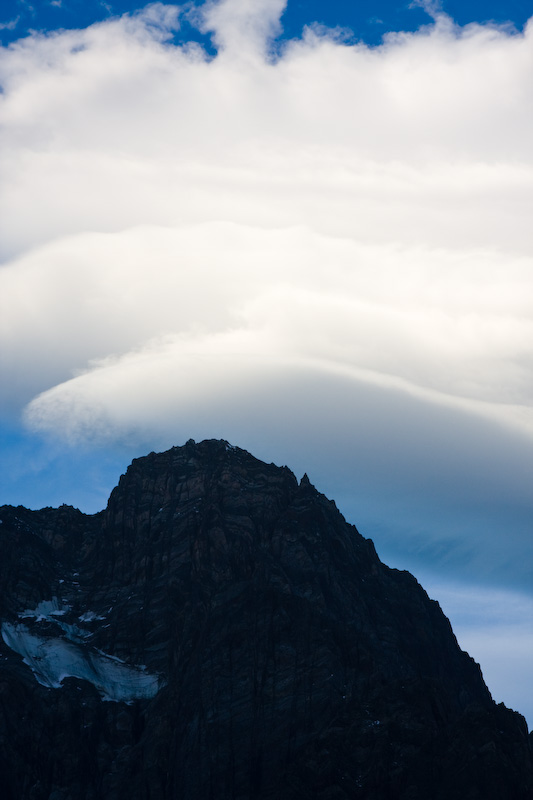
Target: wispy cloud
10,25
433,8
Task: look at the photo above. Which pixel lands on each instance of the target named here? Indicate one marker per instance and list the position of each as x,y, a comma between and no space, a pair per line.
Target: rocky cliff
220,631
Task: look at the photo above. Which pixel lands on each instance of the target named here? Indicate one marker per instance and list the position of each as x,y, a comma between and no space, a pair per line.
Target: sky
303,227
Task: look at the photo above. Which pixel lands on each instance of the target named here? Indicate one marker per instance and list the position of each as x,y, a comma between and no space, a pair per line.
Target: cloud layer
317,248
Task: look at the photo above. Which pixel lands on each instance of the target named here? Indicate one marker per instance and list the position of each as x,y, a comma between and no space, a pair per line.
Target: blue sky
368,19
301,227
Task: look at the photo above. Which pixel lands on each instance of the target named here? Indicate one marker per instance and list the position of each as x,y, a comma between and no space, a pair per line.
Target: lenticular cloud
178,228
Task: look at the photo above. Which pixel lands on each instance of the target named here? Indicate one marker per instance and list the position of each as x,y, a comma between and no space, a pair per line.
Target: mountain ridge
266,649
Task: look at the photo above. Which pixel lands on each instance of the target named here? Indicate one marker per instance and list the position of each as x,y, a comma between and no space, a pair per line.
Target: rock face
220,631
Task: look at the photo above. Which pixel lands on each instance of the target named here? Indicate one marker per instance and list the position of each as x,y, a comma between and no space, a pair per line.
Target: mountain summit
220,631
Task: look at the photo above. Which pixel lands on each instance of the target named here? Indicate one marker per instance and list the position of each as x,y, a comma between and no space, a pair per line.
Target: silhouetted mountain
220,631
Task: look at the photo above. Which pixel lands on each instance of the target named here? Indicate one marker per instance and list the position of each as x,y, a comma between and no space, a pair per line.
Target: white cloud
129,130
452,328
243,27
10,25
432,7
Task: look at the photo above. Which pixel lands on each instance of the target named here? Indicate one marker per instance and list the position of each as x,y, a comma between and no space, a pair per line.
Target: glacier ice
54,659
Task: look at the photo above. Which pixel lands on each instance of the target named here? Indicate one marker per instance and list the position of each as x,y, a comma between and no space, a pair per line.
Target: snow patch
53,659
50,611
44,610
90,616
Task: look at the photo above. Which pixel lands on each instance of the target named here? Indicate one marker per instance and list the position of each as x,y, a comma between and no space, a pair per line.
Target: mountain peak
245,637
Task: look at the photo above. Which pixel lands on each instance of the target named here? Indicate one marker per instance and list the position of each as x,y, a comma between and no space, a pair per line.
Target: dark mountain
220,631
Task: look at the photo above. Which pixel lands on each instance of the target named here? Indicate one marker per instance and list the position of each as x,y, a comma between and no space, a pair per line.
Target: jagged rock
220,631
